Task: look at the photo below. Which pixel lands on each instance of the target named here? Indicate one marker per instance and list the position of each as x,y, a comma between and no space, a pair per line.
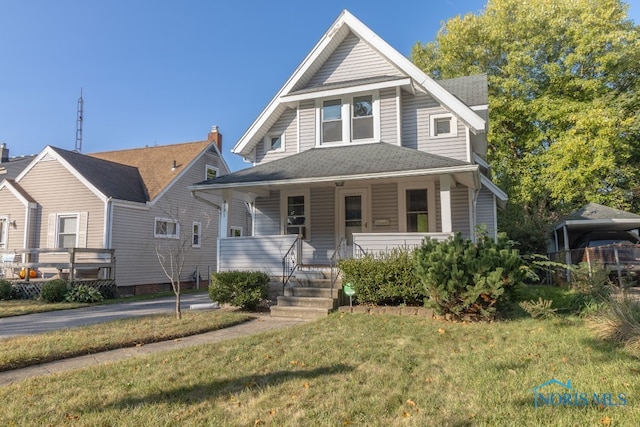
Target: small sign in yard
350,292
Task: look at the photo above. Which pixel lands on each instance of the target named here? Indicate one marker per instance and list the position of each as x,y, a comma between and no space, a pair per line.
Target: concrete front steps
308,295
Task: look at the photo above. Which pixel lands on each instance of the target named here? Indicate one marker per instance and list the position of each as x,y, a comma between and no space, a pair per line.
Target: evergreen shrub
5,290
466,279
54,290
245,289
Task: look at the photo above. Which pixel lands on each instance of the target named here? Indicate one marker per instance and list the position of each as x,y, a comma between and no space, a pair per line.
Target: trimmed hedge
245,289
386,279
54,290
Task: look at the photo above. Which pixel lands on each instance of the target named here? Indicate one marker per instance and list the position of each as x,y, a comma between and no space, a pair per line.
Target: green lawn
348,369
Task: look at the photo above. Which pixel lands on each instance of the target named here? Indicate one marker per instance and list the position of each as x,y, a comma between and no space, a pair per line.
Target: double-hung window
67,235
349,118
332,120
166,228
196,236
4,223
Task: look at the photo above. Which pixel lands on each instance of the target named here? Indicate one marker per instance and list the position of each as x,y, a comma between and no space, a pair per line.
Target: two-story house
359,151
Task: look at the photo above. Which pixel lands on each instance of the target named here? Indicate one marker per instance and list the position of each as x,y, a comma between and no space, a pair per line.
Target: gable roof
472,90
18,191
15,165
155,165
595,215
322,164
346,24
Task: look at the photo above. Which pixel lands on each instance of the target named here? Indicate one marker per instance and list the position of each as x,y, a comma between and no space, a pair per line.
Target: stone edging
392,310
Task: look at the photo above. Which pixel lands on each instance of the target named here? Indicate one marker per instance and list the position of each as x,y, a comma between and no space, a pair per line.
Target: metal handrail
335,257
362,251
291,261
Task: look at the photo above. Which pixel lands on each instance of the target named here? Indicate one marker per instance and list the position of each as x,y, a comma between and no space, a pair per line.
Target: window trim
60,216
165,236
195,224
267,142
207,168
346,113
284,199
432,125
4,232
430,186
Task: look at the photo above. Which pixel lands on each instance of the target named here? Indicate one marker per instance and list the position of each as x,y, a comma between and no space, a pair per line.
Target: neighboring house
359,151
132,201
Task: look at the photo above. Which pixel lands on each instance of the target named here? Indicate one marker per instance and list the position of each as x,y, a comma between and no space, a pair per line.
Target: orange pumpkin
32,274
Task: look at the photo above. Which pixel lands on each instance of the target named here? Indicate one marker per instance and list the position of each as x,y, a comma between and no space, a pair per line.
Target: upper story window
332,120
166,228
349,119
441,125
274,142
211,172
362,117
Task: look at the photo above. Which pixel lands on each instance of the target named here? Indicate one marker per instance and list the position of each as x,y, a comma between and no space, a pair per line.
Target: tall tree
564,93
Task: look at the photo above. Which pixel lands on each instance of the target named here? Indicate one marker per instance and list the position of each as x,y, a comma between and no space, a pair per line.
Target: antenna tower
79,124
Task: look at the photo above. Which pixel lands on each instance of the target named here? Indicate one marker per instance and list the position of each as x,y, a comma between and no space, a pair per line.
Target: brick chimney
215,136
4,153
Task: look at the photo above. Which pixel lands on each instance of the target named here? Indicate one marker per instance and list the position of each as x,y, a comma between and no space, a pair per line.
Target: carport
591,217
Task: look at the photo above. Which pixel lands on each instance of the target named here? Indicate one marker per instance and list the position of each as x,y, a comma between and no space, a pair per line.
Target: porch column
445,203
225,212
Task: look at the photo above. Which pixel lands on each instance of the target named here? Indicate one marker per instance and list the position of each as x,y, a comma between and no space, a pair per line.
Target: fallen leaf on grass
605,421
405,414
306,385
411,402
139,344
441,331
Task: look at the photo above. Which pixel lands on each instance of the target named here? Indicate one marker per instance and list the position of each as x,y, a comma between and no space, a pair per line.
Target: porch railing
333,261
291,261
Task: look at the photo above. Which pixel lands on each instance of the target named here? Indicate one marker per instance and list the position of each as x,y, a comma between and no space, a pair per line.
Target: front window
166,228
67,231
3,233
296,216
332,120
417,217
362,120
236,231
196,235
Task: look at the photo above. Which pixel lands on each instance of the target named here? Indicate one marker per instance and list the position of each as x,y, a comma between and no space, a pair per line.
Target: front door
352,216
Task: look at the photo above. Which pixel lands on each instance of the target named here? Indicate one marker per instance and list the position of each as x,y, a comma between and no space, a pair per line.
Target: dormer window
442,125
349,119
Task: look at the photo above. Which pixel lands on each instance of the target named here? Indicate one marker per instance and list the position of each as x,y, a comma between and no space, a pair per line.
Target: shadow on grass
213,389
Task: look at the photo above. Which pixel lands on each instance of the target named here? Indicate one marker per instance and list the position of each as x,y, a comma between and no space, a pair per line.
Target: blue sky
163,72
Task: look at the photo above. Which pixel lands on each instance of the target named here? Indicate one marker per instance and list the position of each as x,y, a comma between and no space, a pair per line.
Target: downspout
108,223
474,202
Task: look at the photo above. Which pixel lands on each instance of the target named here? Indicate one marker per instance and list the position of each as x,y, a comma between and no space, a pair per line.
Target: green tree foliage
466,279
564,93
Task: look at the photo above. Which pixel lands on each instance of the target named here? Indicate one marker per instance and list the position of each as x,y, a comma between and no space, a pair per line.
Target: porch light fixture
339,183
14,224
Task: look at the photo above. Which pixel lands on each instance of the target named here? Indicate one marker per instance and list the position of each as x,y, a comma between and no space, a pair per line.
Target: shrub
83,293
388,278
6,290
245,289
54,290
467,279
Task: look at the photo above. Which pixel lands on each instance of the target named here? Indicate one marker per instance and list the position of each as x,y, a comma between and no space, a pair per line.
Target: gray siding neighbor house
132,201
359,152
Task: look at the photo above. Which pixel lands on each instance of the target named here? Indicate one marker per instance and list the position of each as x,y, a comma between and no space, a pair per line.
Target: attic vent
47,158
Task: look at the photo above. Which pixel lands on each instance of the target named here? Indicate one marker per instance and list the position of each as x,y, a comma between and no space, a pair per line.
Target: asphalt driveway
44,322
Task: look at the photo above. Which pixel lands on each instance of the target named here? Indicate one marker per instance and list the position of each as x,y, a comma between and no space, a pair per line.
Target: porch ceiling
344,163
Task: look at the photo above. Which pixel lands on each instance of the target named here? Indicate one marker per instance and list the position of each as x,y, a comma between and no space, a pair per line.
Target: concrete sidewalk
262,323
